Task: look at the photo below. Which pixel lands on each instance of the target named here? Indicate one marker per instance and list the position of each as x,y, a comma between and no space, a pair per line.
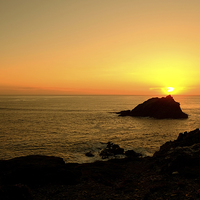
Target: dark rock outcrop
159,108
132,154
184,139
18,191
37,169
172,173
89,154
111,150
114,149
179,154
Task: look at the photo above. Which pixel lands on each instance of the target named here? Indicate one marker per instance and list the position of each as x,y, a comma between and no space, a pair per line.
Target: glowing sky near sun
100,47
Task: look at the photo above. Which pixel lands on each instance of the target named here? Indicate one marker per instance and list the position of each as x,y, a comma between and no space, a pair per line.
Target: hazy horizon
159,95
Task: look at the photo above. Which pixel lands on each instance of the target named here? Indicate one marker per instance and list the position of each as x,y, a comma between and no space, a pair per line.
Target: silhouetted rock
178,154
37,169
160,108
172,173
184,139
111,150
132,154
89,154
125,113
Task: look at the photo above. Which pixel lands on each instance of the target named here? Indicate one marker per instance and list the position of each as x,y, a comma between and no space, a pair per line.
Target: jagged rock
89,154
160,108
184,139
178,158
178,154
173,173
111,150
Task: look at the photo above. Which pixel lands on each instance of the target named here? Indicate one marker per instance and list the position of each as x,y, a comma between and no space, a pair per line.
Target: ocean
70,126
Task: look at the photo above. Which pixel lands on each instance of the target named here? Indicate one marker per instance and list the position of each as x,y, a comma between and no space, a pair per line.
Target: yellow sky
100,47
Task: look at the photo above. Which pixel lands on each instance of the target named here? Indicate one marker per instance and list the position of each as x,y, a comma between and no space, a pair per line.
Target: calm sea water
70,126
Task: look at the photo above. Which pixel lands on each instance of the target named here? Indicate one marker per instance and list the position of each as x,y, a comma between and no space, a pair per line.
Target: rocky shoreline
173,172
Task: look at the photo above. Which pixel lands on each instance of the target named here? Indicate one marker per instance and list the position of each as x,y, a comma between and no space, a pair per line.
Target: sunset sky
71,47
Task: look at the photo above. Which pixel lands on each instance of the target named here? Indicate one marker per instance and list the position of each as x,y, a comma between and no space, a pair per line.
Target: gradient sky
99,47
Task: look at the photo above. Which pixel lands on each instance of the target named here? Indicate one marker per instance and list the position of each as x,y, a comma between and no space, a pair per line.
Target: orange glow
100,47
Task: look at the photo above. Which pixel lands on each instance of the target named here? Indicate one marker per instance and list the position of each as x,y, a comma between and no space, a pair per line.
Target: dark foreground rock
20,174
111,150
114,149
172,173
181,154
160,108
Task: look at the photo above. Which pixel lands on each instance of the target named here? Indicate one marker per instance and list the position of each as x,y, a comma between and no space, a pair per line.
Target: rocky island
159,108
173,172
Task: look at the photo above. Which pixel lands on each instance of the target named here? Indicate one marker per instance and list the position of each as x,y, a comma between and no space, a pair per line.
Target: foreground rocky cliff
160,108
172,173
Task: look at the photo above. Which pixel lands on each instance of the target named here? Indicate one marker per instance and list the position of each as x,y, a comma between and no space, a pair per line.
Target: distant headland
159,108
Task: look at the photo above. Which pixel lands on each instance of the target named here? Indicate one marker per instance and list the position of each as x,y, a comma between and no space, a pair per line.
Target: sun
173,90
170,89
